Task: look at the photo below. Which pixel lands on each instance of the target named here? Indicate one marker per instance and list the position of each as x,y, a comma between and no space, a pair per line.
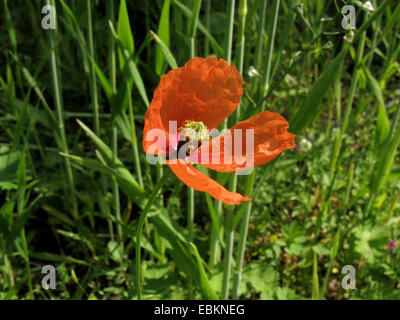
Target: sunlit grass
77,192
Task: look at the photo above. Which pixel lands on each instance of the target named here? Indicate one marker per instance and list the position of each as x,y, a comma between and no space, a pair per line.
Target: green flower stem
207,25
190,213
353,88
190,204
60,119
240,58
93,86
251,178
258,55
193,27
139,230
270,47
113,80
227,261
215,252
244,227
230,13
135,150
229,236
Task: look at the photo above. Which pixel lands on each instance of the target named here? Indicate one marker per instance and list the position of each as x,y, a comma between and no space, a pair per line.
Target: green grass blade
205,288
163,33
310,108
188,13
382,126
169,57
315,282
125,33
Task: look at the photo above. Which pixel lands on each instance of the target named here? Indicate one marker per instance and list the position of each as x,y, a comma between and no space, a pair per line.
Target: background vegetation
71,192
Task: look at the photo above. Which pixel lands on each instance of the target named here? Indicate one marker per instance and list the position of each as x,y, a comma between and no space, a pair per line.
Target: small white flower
326,18
305,144
253,72
368,6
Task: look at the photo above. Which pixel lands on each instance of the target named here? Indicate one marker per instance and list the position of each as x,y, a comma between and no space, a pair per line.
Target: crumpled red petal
200,182
206,90
270,139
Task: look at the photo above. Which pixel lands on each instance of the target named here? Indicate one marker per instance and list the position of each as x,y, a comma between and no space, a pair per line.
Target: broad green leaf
261,277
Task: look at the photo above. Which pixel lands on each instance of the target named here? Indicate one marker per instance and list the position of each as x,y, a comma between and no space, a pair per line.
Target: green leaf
320,249
205,287
165,51
188,13
311,107
133,70
136,191
335,245
163,33
382,127
194,19
161,218
386,157
8,168
117,252
125,33
103,80
58,258
261,277
315,281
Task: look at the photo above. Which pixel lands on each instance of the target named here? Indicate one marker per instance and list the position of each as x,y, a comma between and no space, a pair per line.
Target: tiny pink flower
392,245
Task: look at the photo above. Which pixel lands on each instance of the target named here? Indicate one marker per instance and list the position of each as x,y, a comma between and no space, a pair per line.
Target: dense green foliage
72,192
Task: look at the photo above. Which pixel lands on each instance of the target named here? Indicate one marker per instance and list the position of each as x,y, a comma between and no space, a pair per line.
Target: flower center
191,135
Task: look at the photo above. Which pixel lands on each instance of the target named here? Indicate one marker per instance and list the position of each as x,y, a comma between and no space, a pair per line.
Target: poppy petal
153,126
197,180
206,90
270,139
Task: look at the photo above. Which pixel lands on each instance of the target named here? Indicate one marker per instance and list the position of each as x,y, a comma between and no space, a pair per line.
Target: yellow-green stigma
195,130
194,133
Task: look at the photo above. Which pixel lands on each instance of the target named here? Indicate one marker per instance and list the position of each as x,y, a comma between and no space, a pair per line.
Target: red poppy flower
207,91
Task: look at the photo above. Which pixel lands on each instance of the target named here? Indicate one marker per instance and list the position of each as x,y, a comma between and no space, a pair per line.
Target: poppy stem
190,206
133,137
190,213
242,12
227,267
230,18
244,227
259,46
114,139
139,230
251,178
270,47
58,102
